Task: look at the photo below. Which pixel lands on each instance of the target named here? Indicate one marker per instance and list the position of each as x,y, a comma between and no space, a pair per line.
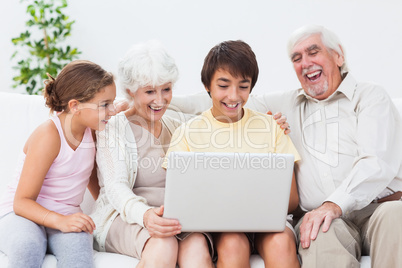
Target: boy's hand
281,120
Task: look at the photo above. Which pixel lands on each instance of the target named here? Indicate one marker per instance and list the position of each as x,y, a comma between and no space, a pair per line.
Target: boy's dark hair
236,57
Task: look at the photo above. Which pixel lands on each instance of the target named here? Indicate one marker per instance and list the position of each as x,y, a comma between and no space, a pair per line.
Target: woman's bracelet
44,217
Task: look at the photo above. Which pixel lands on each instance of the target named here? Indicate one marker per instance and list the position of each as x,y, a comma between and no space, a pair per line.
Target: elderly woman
130,151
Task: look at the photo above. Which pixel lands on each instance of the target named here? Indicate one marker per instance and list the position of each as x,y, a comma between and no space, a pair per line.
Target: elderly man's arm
379,147
197,103
191,104
379,159
184,107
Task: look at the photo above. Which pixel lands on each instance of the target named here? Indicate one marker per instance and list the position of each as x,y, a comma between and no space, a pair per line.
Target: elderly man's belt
393,197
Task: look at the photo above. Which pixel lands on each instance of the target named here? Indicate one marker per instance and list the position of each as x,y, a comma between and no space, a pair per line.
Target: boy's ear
73,105
208,91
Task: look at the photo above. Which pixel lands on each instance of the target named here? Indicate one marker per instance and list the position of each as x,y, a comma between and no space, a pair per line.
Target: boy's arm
285,145
294,195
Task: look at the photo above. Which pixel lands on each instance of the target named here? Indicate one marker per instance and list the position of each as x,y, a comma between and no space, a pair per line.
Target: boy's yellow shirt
254,133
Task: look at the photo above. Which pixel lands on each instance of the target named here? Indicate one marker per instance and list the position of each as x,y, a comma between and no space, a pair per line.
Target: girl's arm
41,150
294,195
93,185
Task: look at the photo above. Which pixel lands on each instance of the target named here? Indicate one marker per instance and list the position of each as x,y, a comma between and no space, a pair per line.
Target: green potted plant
41,48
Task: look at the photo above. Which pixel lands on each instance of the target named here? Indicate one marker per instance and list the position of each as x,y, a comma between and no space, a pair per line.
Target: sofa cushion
21,114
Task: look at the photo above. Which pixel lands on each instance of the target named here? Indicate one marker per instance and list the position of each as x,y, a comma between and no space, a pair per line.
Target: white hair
146,64
328,38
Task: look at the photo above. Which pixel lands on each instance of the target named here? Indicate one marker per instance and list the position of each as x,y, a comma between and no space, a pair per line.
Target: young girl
41,210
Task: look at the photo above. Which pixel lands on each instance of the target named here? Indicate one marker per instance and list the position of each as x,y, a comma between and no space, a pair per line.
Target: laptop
228,192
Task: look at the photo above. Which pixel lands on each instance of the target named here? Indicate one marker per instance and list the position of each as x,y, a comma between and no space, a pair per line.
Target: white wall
104,29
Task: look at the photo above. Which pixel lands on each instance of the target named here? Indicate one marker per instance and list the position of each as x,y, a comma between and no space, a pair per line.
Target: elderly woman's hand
281,120
160,227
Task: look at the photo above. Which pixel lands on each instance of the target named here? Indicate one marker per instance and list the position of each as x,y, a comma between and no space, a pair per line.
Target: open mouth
314,76
232,105
156,109
104,121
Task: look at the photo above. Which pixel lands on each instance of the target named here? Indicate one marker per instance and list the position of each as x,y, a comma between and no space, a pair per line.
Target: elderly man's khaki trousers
376,230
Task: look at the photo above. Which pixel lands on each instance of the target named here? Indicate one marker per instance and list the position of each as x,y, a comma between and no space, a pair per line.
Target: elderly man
349,136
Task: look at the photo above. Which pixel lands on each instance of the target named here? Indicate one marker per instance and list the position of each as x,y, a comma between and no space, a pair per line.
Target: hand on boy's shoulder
282,121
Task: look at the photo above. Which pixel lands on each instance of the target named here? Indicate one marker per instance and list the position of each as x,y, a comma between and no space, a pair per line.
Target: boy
229,73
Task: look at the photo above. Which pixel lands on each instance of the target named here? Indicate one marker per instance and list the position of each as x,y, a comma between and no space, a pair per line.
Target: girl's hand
75,223
160,227
281,120
121,105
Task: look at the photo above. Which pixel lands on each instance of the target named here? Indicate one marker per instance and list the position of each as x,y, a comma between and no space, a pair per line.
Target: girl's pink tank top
65,183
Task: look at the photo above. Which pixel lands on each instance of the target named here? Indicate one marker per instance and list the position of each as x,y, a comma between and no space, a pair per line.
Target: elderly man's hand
313,220
281,120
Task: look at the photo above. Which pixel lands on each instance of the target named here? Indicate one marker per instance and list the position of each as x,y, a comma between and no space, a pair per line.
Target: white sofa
20,115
